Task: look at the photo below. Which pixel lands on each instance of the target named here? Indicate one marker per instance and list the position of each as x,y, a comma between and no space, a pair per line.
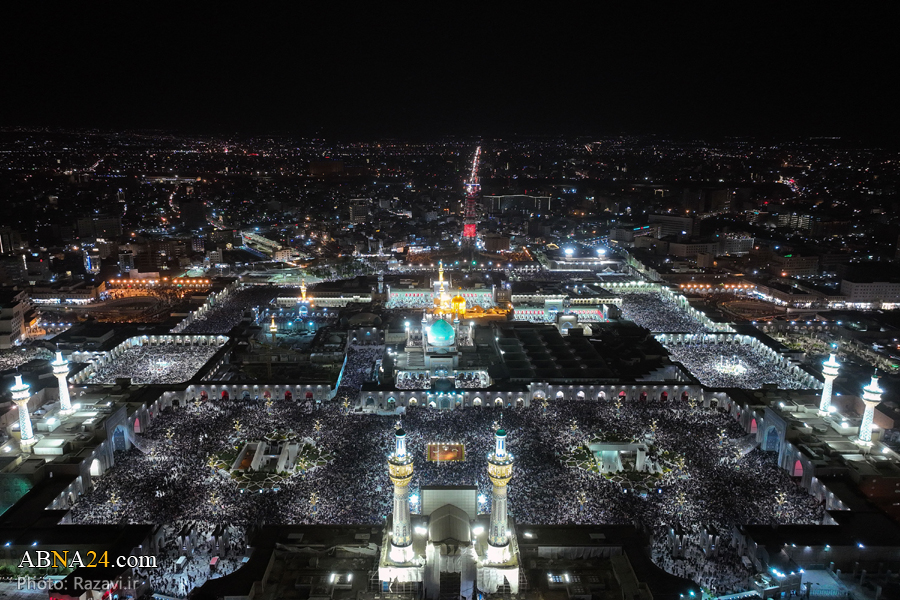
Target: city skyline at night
449,302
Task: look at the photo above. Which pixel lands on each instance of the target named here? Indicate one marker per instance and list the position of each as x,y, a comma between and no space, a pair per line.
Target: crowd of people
16,357
222,317
659,313
427,299
413,381
175,580
166,363
732,365
714,480
718,485
723,575
473,380
357,369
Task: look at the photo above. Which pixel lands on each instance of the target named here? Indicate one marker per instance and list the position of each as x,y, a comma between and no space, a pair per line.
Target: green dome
441,333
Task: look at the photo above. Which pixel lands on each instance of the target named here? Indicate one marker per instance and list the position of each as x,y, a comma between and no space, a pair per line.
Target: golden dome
458,305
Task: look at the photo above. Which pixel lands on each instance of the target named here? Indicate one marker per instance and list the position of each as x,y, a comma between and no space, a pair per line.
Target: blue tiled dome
441,333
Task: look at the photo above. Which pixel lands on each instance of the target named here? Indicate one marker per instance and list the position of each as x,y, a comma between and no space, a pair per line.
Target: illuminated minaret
20,395
61,370
830,372
400,468
872,397
303,290
273,329
500,467
443,301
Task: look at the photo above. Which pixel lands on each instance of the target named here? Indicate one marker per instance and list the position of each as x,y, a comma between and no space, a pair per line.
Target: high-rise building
359,210
10,240
792,265
869,289
673,225
92,261
126,261
13,308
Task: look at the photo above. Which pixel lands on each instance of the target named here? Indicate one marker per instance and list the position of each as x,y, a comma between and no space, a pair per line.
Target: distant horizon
347,137
393,72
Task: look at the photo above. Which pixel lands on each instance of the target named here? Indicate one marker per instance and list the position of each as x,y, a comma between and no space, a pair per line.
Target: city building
868,291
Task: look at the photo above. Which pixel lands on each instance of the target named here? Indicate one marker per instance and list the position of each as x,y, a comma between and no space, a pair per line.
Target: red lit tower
473,188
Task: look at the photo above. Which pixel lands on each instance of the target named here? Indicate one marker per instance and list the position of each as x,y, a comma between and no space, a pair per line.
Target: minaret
61,370
500,466
400,468
830,372
303,290
20,395
872,397
444,301
273,329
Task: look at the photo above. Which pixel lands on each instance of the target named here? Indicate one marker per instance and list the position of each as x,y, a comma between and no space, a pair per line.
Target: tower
830,372
500,467
273,329
470,220
443,301
20,395
872,397
303,290
400,469
61,370
381,283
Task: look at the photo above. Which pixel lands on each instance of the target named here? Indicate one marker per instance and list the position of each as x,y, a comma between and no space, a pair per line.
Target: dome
441,333
458,305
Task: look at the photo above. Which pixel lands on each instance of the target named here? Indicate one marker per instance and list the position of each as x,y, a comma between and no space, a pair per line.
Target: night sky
372,71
